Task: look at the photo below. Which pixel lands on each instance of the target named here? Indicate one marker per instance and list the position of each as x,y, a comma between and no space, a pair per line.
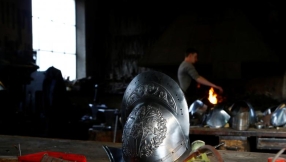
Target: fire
212,96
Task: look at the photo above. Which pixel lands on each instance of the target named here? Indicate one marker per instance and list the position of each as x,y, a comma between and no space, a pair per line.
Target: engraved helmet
155,118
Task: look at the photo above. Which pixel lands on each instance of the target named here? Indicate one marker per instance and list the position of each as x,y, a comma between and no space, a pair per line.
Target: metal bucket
241,121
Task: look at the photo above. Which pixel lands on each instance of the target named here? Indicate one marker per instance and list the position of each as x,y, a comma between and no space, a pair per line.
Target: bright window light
54,35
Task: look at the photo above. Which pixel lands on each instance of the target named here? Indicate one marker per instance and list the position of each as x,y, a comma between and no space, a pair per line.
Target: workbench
266,138
92,150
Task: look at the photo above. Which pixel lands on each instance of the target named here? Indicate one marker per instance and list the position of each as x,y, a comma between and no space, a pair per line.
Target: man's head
191,55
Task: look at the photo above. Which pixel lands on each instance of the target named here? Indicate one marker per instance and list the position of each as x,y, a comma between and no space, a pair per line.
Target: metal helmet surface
278,117
217,117
155,118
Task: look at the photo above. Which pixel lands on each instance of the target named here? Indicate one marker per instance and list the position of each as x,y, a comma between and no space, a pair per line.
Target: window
54,35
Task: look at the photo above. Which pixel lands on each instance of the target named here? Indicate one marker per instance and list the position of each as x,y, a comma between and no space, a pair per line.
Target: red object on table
36,157
277,160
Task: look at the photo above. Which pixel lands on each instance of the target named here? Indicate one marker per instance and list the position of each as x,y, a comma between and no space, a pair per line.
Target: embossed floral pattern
154,90
146,129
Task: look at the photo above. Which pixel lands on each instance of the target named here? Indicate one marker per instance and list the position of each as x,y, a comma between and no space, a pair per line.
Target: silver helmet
155,118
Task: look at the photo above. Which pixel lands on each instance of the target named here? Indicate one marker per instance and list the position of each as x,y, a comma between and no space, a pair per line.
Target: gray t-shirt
186,73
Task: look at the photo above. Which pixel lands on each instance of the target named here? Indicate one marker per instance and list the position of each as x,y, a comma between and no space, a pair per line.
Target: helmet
155,118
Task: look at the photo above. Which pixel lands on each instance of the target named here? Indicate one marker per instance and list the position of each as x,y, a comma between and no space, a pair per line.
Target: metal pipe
115,128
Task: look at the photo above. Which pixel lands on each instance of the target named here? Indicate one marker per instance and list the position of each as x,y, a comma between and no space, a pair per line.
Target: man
187,72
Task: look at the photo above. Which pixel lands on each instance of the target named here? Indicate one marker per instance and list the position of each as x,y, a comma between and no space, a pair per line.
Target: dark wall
15,24
96,31
16,57
119,33
122,32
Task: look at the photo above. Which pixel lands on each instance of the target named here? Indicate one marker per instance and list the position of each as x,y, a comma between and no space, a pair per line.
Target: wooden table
92,150
281,132
271,138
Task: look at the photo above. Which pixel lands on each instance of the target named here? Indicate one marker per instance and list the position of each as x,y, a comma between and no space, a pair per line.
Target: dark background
154,34
241,48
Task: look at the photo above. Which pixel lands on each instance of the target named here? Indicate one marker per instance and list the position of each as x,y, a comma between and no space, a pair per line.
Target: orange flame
212,96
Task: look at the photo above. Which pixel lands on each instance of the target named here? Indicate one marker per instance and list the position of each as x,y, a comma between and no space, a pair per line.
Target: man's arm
204,81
